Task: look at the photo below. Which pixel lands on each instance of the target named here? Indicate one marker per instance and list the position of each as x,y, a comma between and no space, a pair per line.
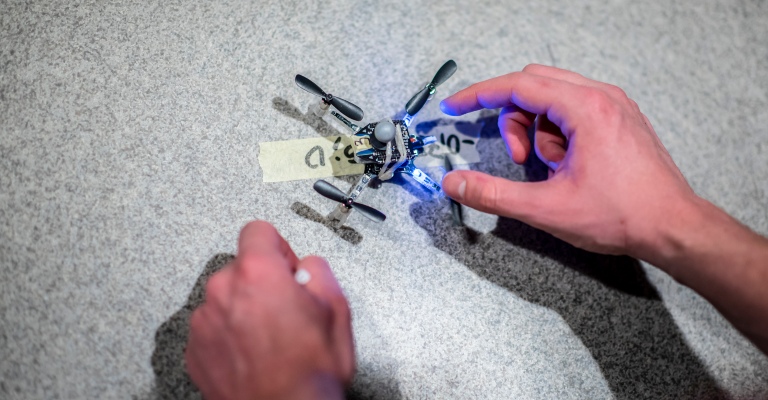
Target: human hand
262,335
611,183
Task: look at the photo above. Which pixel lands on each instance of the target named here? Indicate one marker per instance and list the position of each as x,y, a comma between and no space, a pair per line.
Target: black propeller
332,192
350,110
419,99
456,213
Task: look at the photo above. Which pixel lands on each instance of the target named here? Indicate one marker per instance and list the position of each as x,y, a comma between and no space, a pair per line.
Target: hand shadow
171,378
606,300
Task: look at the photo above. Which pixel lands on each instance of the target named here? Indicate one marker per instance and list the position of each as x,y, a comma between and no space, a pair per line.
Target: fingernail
454,185
445,108
462,188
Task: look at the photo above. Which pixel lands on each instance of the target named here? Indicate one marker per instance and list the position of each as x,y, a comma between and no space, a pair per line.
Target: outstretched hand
612,188
611,181
260,334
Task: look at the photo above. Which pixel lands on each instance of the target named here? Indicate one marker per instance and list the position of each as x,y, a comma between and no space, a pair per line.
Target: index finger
260,237
533,93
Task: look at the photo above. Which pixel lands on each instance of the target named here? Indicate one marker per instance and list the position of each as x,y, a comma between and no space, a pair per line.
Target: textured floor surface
129,142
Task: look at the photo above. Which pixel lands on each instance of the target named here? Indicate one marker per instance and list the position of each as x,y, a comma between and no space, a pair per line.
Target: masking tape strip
317,157
321,157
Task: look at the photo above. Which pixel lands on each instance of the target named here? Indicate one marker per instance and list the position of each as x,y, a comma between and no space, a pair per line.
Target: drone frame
404,164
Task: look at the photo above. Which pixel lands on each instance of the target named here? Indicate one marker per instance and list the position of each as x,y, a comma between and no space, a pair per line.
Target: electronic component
385,147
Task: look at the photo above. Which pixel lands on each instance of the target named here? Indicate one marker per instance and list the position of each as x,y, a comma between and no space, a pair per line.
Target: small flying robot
385,147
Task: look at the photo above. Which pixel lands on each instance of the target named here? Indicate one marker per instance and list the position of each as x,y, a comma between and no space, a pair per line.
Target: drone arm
407,119
361,184
387,173
345,121
320,108
339,215
424,179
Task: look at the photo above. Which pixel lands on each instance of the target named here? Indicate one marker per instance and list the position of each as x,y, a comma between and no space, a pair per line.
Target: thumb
519,200
323,286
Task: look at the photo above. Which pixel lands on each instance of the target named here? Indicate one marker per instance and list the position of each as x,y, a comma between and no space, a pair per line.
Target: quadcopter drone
384,147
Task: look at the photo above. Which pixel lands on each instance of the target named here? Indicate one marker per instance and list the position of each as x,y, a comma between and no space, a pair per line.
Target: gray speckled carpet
129,143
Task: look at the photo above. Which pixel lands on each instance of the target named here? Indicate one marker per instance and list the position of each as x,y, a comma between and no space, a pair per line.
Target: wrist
674,232
694,234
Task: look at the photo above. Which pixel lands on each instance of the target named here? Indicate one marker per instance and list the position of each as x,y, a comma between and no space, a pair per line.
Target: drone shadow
345,233
607,301
320,125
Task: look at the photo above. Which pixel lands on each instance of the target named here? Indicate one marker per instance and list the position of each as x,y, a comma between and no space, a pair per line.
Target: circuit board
374,159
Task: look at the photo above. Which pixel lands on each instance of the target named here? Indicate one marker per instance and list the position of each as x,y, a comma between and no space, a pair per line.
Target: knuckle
601,103
616,91
594,96
251,261
215,286
472,90
513,77
258,267
533,68
488,196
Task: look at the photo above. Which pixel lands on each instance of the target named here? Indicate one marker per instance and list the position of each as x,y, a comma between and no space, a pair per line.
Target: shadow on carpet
172,380
606,300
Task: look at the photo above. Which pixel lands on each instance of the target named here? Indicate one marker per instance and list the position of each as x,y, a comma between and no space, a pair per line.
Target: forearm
705,249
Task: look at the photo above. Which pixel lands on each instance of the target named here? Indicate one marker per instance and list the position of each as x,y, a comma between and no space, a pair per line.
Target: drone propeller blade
329,191
456,212
416,102
370,212
304,83
444,72
345,107
448,164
